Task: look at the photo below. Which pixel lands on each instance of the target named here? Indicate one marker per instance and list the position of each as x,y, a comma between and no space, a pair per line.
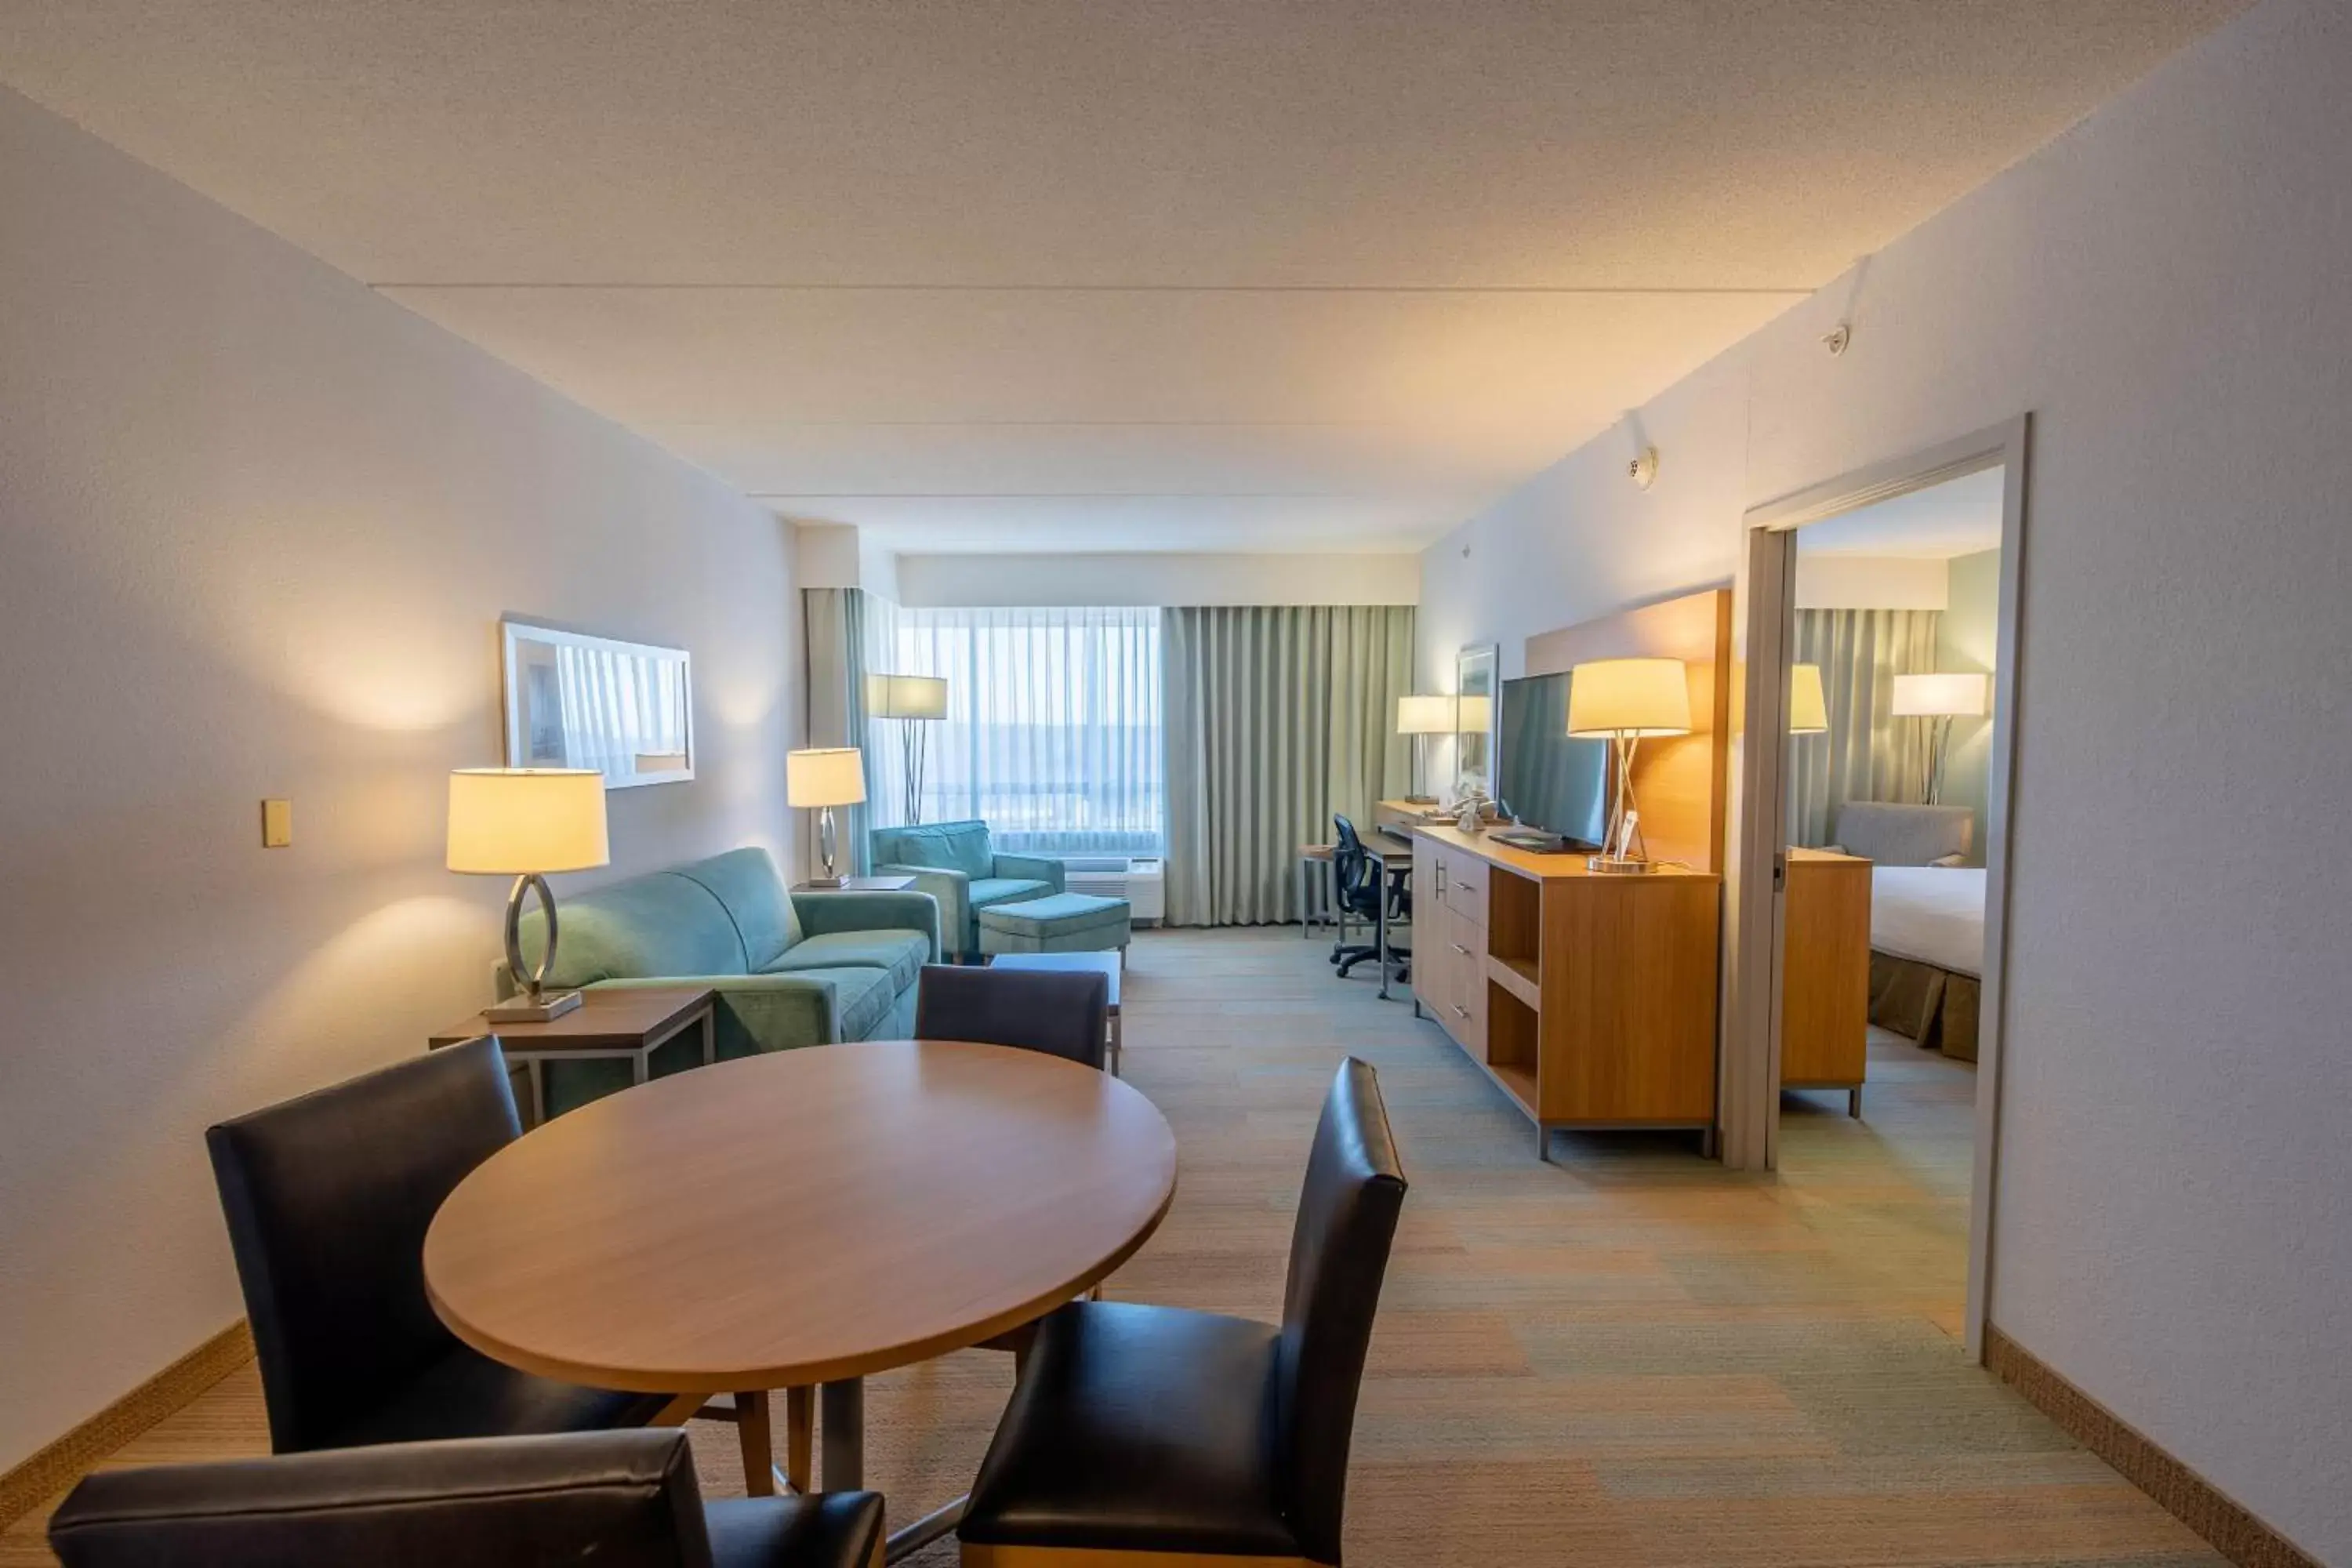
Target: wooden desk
803,1217
1825,973
628,1023
1590,998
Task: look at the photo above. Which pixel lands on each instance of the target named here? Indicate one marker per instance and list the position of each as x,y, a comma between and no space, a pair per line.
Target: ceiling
1958,516
1095,274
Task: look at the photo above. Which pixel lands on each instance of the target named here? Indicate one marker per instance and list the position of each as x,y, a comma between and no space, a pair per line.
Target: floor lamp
1422,717
1939,698
1627,702
914,701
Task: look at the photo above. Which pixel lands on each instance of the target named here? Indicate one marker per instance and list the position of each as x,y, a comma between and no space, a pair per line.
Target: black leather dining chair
328,1198
617,1500
1149,1431
1062,1012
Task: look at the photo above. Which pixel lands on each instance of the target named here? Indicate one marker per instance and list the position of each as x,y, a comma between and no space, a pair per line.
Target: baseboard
51,1470
2181,1492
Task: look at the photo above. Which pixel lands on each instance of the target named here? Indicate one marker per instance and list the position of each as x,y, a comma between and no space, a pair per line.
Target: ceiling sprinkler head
1837,339
1643,469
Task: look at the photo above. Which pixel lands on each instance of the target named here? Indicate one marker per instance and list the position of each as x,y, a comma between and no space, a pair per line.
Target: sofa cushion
647,926
947,846
745,880
863,996
900,954
987,890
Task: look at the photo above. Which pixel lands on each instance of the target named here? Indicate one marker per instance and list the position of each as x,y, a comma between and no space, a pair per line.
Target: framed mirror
1474,718
623,709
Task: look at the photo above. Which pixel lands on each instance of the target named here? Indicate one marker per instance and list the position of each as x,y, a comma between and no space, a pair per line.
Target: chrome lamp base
525,1009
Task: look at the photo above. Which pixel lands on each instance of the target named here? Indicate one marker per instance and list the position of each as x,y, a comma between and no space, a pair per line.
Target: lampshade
1937,696
1633,697
517,822
833,776
906,697
1809,710
1424,715
1474,715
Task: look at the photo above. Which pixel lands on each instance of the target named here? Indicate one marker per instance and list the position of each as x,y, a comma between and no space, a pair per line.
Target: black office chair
617,1500
1155,1430
1062,1012
328,1198
1360,884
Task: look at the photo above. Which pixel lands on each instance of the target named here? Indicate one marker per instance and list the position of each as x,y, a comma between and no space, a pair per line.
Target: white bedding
1931,913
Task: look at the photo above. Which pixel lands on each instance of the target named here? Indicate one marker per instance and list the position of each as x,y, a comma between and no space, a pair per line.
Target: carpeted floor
1630,1356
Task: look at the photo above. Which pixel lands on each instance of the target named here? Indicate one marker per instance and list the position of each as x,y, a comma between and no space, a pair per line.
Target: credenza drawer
1461,883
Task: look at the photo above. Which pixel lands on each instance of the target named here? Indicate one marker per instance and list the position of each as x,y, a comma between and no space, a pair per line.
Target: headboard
1684,783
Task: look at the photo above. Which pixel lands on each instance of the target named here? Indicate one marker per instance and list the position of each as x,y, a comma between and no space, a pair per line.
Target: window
1053,733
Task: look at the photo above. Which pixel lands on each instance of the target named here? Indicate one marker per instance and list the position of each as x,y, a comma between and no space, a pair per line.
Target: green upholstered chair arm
823,913
761,1011
1033,866
954,891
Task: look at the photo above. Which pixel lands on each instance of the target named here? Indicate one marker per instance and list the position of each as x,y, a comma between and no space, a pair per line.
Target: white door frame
1767,592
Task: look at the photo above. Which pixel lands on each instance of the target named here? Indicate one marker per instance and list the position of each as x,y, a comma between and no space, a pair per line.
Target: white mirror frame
515,634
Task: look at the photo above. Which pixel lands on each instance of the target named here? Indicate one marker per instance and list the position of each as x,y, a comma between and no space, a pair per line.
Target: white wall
1870,583
2164,287
942,581
260,526
1967,638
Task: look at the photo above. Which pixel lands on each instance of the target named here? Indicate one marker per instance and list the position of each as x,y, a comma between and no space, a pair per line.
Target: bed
1926,954
1927,919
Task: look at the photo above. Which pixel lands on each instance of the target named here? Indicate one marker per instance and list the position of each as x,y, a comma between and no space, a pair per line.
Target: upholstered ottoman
1064,922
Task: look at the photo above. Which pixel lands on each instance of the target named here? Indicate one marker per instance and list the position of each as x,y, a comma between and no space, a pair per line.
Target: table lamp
824,778
525,823
916,699
1942,698
1627,701
1422,717
1809,710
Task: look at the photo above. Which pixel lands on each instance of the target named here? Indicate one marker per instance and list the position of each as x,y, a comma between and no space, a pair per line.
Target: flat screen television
1548,779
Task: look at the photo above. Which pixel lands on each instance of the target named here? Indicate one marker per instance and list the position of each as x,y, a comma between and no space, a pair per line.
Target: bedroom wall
260,525
1967,638
2163,287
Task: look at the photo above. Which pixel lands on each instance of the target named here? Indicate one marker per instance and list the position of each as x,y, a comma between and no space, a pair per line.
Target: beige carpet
1628,1357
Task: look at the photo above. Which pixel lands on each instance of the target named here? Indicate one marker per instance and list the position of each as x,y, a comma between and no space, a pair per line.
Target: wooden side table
618,1022
896,883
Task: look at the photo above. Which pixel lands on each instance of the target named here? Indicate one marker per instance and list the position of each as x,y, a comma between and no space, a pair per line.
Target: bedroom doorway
1881,619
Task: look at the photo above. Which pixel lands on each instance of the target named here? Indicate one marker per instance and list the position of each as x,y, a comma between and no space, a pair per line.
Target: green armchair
955,863
791,968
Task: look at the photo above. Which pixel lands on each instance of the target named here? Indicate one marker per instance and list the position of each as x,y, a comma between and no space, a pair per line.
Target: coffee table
1109,965
800,1219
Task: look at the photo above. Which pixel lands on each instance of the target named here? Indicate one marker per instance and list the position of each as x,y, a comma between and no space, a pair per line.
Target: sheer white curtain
1053,733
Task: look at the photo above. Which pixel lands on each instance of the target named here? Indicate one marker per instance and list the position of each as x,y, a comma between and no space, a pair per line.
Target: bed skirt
1936,1008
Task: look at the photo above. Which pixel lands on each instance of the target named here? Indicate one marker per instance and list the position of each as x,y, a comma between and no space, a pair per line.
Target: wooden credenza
1825,973
1590,999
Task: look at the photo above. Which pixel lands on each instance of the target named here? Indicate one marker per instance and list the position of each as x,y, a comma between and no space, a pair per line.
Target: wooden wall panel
1682,785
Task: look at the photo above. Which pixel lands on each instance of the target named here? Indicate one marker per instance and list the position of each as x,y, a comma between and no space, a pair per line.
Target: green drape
1867,755
834,622
1277,717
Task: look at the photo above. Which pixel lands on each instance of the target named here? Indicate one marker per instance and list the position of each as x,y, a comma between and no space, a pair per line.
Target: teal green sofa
791,968
954,863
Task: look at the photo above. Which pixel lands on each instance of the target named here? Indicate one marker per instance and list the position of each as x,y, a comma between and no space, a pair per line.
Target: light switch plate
276,824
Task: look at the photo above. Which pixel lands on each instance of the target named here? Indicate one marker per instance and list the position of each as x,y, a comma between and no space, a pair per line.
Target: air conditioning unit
1143,882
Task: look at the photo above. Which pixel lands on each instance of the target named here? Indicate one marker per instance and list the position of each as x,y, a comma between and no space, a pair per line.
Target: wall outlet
276,824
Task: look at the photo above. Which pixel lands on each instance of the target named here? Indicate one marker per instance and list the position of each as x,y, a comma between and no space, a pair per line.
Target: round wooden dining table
798,1221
